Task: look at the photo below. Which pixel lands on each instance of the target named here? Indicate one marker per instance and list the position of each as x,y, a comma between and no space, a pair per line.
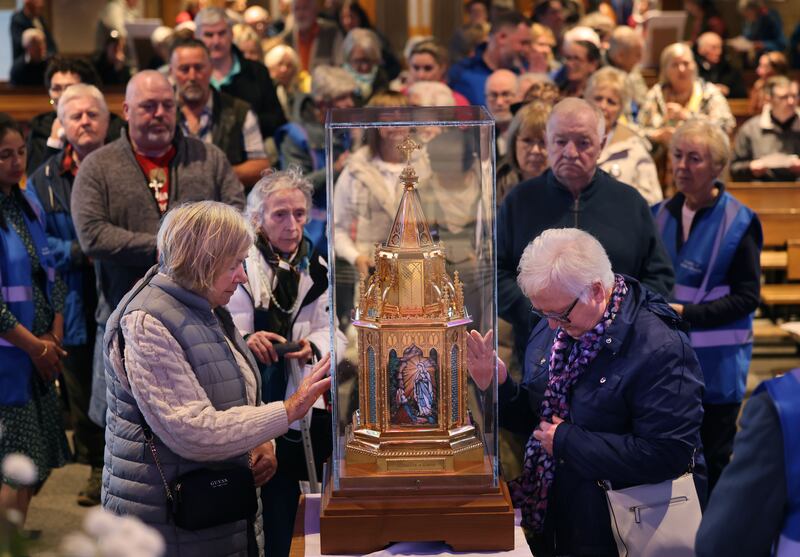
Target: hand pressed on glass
481,358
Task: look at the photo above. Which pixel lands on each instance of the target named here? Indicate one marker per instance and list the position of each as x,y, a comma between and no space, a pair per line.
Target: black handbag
207,497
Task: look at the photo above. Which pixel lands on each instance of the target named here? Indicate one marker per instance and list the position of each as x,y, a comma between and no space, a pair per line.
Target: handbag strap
606,485
148,433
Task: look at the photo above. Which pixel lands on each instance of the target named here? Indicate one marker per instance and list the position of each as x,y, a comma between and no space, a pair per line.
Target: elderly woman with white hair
611,392
362,60
284,305
715,244
28,69
290,81
184,392
679,95
625,155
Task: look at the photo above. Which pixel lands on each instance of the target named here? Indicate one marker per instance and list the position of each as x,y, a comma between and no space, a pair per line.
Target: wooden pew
761,196
789,293
770,198
780,226
740,108
25,103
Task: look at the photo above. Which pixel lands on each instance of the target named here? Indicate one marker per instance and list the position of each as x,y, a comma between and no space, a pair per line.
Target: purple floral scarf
529,491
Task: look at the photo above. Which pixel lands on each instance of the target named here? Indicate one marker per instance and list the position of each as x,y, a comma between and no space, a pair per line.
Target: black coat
613,212
19,23
748,505
253,85
635,417
724,74
28,74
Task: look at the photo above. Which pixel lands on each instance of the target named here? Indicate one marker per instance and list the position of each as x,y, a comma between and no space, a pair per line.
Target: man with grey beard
213,116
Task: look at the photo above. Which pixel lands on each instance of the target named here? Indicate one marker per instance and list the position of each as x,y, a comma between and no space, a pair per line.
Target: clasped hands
47,357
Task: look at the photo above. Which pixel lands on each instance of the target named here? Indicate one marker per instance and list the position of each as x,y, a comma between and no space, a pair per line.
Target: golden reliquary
415,467
412,327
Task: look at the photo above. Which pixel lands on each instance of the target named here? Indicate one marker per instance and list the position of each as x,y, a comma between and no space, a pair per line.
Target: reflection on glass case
412,264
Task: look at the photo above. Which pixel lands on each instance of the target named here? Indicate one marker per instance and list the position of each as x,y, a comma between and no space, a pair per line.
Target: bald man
715,68
502,90
575,193
123,189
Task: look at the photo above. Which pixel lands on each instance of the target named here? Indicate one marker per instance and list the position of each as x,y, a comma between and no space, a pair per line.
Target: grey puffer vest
131,481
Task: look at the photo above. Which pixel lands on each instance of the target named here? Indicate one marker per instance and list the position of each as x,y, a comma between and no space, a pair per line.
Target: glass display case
411,244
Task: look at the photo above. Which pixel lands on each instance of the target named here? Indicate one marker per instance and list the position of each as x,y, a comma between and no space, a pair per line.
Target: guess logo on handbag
222,482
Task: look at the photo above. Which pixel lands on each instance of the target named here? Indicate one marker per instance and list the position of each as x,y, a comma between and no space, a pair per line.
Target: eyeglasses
562,317
500,94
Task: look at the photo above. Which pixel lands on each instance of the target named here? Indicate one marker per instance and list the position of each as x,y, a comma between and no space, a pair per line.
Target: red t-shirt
156,170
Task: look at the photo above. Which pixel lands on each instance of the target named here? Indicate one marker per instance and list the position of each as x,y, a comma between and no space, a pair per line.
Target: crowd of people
155,263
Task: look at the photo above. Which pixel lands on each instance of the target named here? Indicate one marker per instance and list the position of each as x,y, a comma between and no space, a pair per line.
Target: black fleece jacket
613,212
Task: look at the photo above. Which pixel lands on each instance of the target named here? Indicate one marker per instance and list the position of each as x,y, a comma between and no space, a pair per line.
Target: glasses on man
500,95
560,317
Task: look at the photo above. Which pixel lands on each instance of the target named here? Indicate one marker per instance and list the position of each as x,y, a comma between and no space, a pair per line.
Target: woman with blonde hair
543,41
247,40
290,80
183,387
679,95
714,243
625,155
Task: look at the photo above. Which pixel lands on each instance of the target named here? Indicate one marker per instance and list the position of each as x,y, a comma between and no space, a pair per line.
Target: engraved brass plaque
415,464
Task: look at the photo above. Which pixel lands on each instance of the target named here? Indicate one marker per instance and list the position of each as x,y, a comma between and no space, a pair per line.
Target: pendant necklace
268,290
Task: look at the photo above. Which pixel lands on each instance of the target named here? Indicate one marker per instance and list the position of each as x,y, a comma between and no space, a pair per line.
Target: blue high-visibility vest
785,394
701,267
16,286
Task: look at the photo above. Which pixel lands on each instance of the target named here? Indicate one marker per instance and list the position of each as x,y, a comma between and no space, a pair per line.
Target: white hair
161,35
608,76
704,39
186,25
290,179
671,52
581,33
79,91
31,33
566,259
276,54
329,82
572,105
210,16
431,93
365,39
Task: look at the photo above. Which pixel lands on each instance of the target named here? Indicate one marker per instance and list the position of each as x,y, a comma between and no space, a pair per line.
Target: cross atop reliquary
408,175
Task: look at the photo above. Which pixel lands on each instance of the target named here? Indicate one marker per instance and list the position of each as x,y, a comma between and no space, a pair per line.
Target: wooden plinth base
352,522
